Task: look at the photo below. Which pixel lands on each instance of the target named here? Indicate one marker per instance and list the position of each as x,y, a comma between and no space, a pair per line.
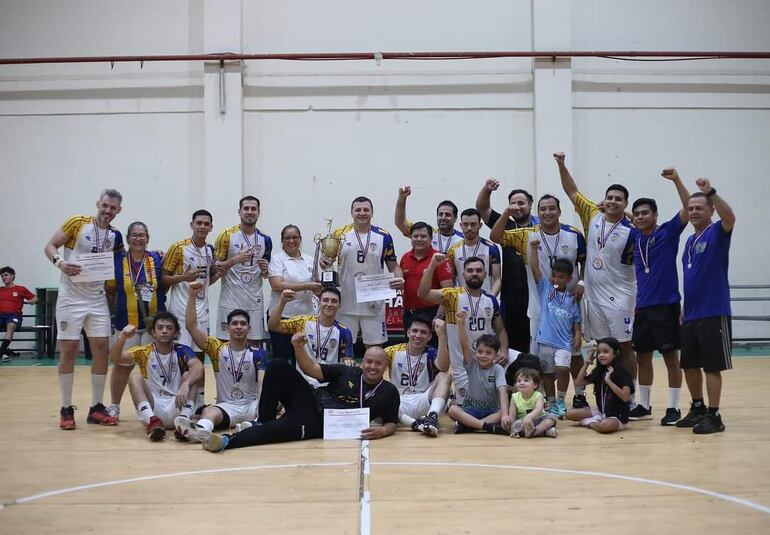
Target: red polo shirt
12,299
413,270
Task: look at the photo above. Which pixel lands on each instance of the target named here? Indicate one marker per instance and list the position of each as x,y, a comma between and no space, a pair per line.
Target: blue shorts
9,317
478,413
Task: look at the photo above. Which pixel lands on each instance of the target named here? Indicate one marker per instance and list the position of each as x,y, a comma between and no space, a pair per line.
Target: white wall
316,134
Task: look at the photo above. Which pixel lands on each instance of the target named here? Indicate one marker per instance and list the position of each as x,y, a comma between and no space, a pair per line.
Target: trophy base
329,279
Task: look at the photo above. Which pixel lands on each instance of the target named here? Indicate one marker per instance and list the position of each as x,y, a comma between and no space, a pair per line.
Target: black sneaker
710,423
640,413
416,425
695,415
497,429
579,401
460,428
672,417
429,424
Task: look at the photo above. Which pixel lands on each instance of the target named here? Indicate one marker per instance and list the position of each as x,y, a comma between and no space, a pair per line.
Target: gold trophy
329,246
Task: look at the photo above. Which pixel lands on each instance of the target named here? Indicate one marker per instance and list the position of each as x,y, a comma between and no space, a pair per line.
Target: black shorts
656,328
707,344
9,317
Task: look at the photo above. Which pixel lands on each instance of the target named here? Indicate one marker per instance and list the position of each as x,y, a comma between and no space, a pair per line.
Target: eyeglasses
137,236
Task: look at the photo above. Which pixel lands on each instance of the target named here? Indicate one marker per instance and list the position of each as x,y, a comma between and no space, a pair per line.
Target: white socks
673,397
97,388
437,405
406,420
580,390
208,425
65,388
145,411
644,395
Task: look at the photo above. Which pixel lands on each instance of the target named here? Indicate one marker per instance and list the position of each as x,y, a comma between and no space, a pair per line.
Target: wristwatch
712,192
56,260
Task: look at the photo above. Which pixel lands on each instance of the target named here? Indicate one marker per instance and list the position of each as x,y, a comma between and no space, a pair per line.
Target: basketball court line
364,467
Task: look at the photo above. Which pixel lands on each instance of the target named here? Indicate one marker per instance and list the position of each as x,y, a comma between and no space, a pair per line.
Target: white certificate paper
345,424
374,287
94,267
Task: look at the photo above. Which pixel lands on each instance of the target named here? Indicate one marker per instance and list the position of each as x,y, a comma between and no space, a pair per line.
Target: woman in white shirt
291,269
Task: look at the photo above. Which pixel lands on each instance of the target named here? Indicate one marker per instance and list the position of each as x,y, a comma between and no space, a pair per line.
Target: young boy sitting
558,335
485,406
528,408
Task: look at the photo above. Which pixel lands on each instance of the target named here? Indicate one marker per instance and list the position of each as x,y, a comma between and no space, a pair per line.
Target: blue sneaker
215,443
560,408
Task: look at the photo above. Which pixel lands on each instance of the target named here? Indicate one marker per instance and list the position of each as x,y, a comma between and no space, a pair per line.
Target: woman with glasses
135,296
291,269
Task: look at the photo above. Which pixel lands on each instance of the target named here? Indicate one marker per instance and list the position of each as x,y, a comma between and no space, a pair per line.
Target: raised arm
424,290
499,327
567,182
117,355
669,173
497,233
726,213
198,335
400,215
580,380
274,323
309,366
483,204
442,359
462,332
534,260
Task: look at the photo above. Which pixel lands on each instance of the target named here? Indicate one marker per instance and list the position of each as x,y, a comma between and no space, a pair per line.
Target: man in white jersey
556,241
610,279
364,250
444,234
83,305
474,245
242,257
238,371
483,315
166,384
328,342
187,261
420,377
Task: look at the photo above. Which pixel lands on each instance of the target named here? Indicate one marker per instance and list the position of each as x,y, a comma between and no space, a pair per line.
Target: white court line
697,490
364,497
689,488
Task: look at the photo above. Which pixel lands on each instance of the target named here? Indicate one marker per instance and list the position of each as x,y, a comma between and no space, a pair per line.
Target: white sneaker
243,425
184,426
551,432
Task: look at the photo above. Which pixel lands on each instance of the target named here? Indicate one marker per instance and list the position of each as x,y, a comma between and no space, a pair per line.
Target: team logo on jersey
700,247
310,336
490,378
488,311
372,247
614,236
565,249
63,325
223,325
247,365
257,249
332,343
246,278
350,384
16,294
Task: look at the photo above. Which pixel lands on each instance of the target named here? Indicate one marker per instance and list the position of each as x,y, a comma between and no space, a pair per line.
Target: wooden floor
578,483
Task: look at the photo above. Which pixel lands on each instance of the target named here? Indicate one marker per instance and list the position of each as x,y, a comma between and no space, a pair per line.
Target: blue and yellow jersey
130,277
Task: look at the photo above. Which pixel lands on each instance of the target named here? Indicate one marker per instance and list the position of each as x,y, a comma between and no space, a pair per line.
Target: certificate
374,287
345,424
94,267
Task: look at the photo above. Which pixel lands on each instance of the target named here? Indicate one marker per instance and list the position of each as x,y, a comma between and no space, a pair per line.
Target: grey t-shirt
482,386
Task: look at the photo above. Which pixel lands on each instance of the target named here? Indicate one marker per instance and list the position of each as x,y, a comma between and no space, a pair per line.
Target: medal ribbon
603,237
251,247
133,266
361,396
319,348
166,374
96,237
645,255
237,373
413,375
364,250
551,252
474,310
555,295
441,248
692,245
207,257
475,251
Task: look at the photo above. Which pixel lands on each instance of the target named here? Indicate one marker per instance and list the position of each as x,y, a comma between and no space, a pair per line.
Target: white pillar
552,96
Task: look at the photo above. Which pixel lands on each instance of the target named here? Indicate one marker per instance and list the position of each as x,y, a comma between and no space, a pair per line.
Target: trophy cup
329,246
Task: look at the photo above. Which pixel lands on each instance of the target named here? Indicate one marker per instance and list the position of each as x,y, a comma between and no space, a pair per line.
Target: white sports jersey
163,373
326,345
411,374
361,254
568,243
85,237
183,256
484,249
236,372
242,283
610,277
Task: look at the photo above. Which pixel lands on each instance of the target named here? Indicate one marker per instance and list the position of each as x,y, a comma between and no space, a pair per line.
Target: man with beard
474,245
243,255
514,292
556,241
483,314
444,235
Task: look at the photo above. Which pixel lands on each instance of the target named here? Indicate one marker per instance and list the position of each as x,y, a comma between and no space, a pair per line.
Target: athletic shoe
215,443
460,428
695,415
672,417
429,424
640,413
710,423
184,427
180,437
416,425
67,418
497,429
243,425
155,429
529,428
114,411
551,432
98,415
579,401
6,358
560,408
517,429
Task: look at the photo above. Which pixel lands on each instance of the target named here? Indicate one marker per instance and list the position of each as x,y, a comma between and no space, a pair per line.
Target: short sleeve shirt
345,391
483,385
705,262
657,282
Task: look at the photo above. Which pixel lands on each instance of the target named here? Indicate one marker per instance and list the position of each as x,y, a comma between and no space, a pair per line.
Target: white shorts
414,405
602,322
73,316
185,337
373,330
551,357
164,407
241,411
256,322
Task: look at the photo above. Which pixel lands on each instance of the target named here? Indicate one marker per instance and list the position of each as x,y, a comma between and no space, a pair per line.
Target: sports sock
65,388
561,395
437,405
714,411
114,409
697,403
188,410
208,425
145,411
406,420
201,397
673,397
97,388
580,390
550,399
4,346
644,395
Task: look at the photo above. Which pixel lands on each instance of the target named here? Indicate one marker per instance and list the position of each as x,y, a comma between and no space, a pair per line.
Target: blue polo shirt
705,264
658,250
